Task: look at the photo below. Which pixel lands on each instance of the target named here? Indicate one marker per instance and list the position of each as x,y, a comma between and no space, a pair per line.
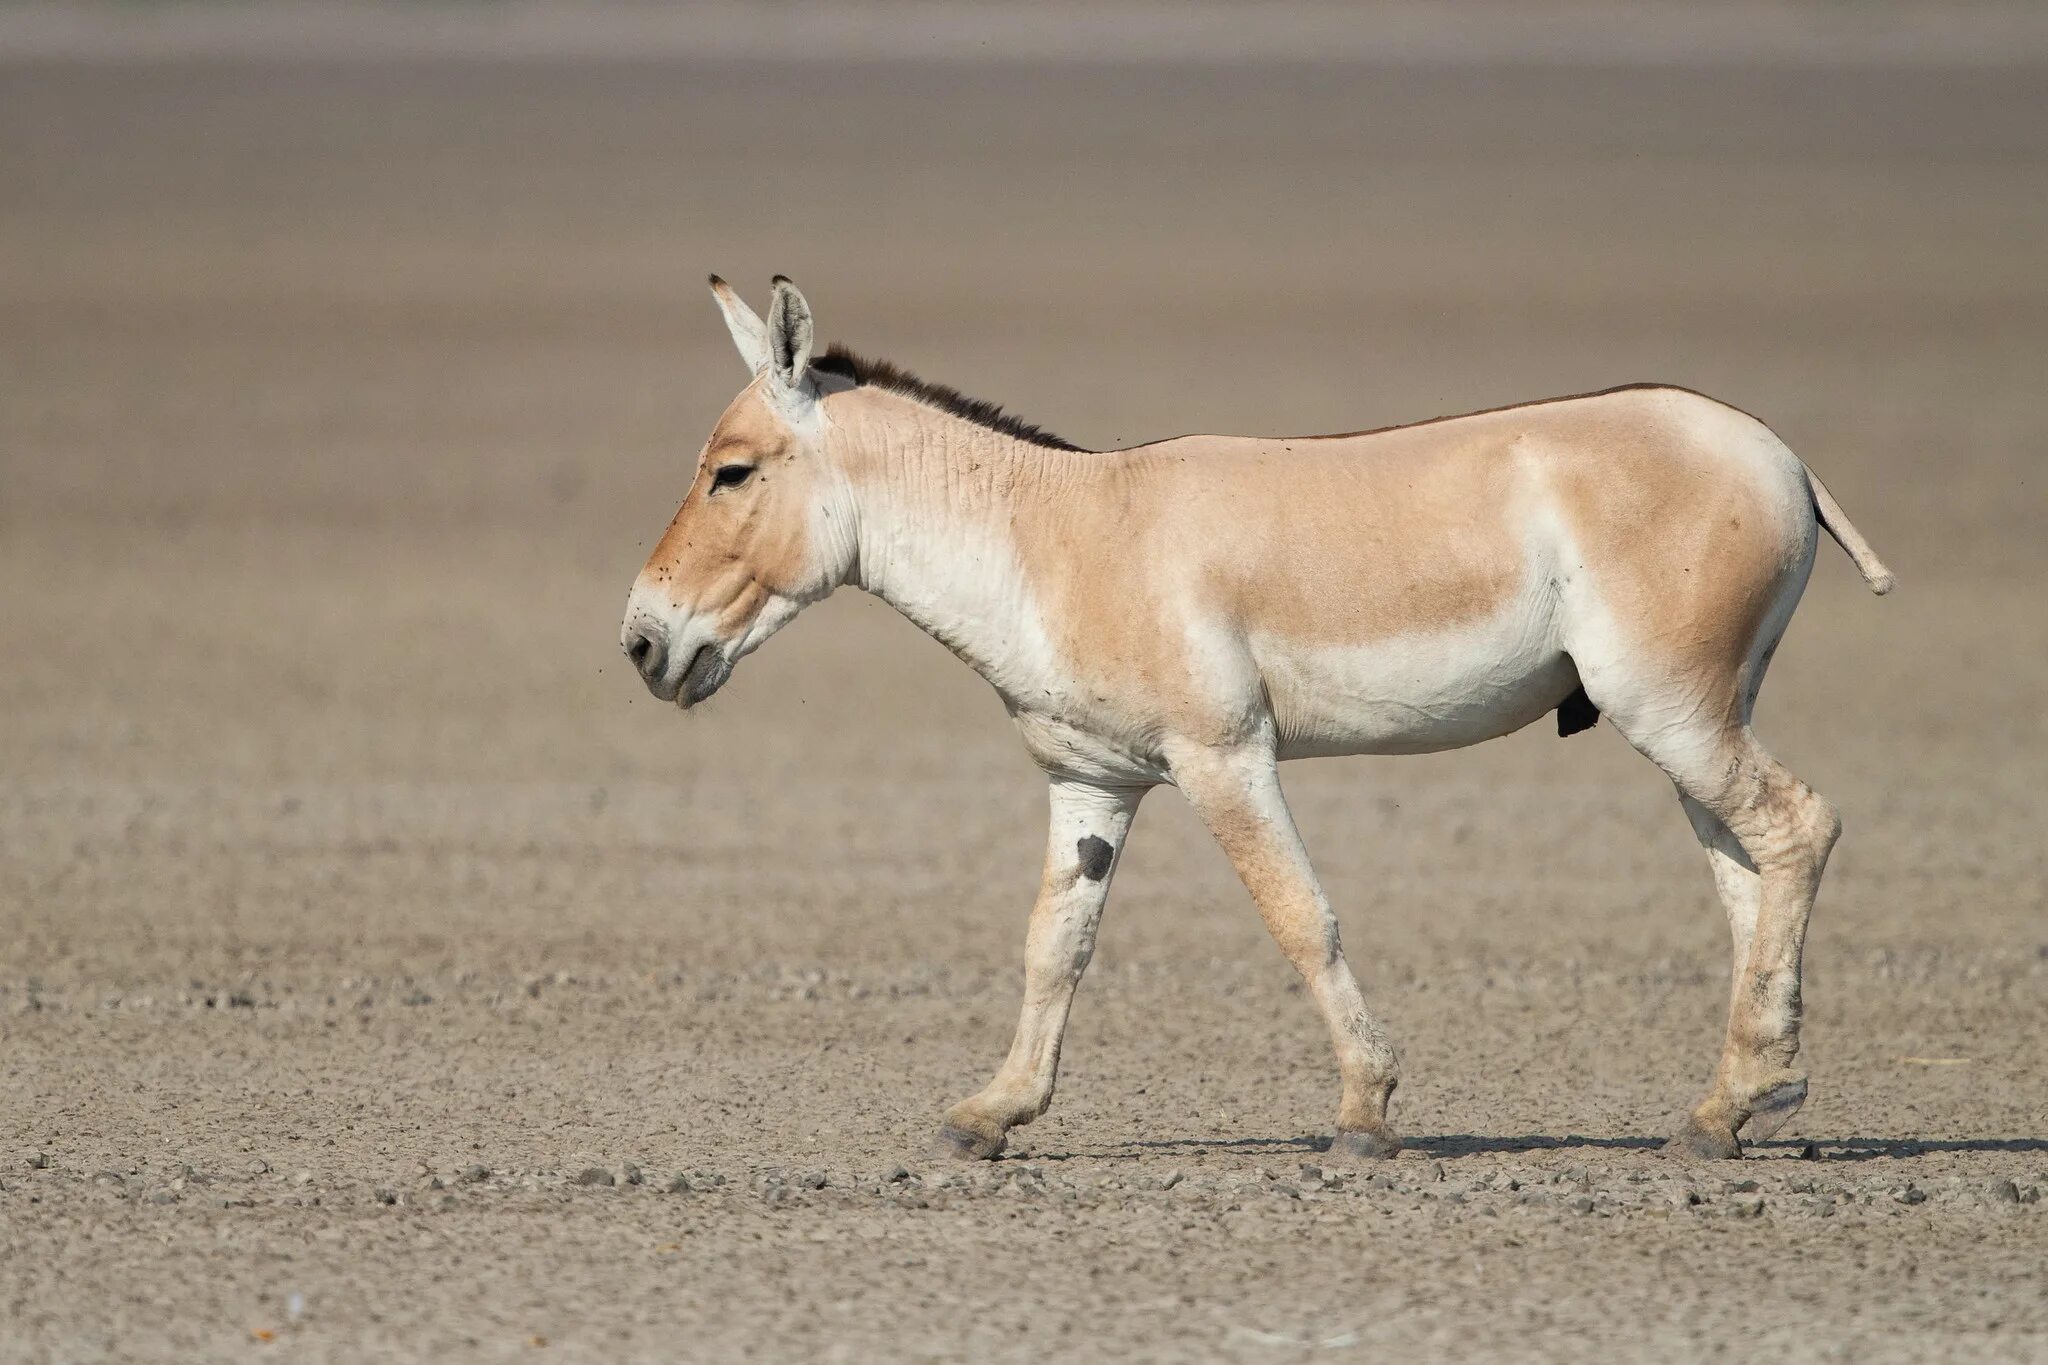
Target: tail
1849,538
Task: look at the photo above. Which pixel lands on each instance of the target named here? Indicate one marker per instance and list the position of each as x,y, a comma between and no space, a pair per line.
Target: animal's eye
732,475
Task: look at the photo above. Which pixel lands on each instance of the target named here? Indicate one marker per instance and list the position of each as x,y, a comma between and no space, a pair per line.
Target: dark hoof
1774,1108
1697,1141
1362,1145
959,1144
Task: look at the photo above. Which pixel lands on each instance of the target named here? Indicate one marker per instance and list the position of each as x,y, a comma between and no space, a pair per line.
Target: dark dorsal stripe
880,374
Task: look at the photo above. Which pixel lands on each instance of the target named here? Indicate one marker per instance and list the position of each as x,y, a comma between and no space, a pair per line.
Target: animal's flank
881,374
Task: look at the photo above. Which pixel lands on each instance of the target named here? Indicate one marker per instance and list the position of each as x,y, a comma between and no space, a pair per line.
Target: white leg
1735,879
1086,837
1237,794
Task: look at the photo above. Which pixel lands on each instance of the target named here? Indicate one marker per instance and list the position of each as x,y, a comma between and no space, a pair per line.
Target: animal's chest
1093,746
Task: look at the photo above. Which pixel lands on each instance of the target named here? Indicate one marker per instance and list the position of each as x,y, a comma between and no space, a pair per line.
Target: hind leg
1735,879
1781,832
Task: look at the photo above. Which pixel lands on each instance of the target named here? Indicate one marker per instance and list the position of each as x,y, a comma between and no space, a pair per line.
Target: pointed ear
749,333
789,333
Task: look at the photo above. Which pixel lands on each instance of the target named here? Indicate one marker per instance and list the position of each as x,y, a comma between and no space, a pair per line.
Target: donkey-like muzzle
670,673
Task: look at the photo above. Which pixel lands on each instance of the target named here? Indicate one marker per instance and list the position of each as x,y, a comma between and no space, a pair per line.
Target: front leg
1236,791
1085,839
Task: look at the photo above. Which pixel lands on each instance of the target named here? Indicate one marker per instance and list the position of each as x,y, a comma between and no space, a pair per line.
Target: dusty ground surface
384,975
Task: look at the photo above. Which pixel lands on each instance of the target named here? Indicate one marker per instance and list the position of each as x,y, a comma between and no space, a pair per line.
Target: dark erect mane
880,374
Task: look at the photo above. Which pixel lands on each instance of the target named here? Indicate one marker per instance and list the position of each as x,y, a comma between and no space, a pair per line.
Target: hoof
1698,1141
1364,1145
961,1144
1774,1108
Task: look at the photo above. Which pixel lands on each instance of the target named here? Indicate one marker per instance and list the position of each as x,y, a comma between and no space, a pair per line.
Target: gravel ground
383,975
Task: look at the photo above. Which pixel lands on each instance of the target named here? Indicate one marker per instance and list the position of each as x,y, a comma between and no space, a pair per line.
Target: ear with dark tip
749,333
789,333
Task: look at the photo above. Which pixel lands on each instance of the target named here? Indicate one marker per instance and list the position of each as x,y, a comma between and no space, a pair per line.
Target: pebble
164,1197
475,1175
679,1184
303,1178
1909,1194
259,1167
2003,1192
896,1175
1748,1206
632,1174
1582,1204
815,1180
595,1175
38,1161
387,1196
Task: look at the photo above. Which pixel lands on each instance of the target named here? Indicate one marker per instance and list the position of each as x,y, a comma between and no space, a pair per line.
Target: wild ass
1195,610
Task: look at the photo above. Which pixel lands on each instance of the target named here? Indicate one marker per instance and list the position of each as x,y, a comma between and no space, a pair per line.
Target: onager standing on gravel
1195,610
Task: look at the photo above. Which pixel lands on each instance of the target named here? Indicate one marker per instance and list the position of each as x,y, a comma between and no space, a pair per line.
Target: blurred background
351,358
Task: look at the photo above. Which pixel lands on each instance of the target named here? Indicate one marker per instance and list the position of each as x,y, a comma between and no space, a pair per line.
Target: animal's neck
939,501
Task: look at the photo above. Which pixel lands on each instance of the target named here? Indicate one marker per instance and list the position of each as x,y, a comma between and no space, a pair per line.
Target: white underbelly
1415,693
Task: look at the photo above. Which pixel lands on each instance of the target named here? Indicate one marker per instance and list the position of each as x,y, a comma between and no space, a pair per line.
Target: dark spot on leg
1096,856
1576,713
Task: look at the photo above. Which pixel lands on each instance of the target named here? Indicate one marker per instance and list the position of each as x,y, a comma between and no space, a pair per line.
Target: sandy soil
384,975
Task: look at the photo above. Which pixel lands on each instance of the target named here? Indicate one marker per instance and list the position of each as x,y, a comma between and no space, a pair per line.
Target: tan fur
722,555
1349,539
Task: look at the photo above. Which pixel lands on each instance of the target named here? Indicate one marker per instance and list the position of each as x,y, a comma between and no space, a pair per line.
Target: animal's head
765,528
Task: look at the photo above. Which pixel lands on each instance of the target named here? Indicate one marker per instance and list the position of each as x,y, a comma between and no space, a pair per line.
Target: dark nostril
644,654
